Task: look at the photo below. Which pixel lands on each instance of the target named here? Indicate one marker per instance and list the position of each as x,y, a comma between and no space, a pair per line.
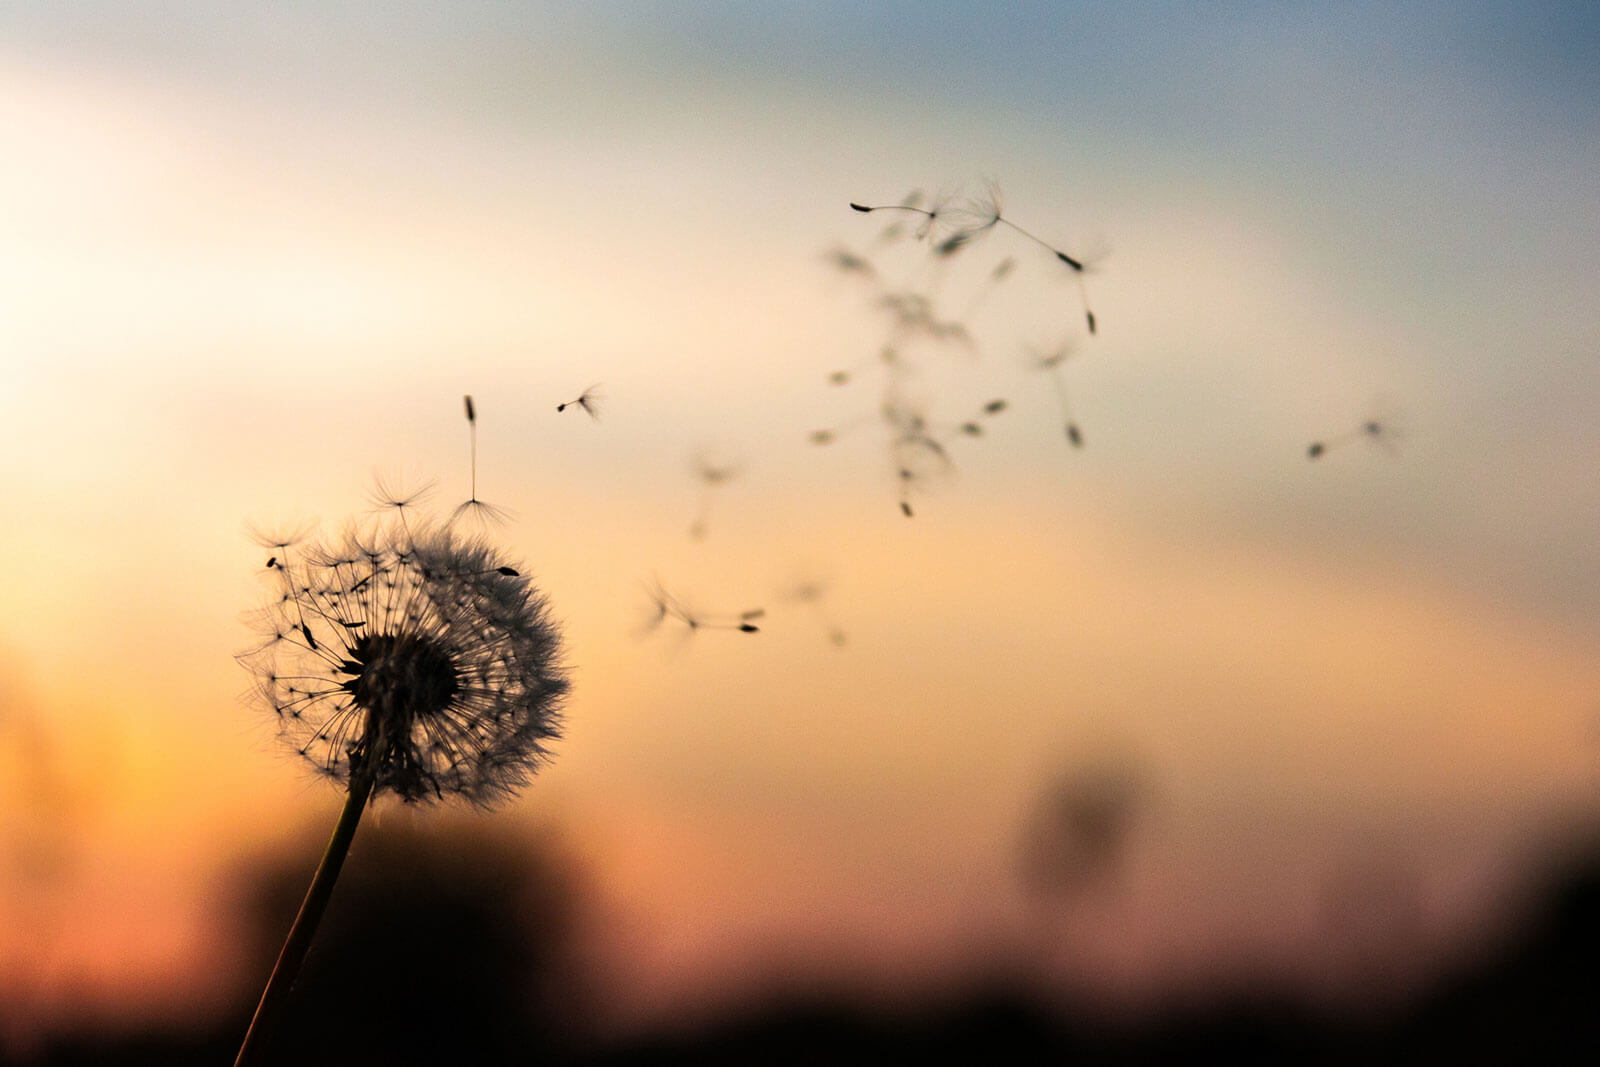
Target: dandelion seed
931,216
430,669
985,212
954,243
1384,431
666,607
1001,271
589,400
711,476
390,495
907,476
1052,363
849,262
484,512
811,592
279,537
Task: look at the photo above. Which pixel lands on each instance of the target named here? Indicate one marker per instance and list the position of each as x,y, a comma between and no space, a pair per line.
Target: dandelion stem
295,946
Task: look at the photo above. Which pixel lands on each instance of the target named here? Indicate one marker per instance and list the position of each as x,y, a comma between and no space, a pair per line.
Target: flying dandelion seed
920,451
404,660
849,262
1000,273
812,592
1052,364
666,608
711,476
976,216
481,510
1385,431
589,400
932,218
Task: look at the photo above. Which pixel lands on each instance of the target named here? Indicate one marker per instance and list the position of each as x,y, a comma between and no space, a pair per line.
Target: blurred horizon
255,258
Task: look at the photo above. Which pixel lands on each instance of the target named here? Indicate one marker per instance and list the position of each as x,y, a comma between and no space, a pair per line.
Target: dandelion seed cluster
418,658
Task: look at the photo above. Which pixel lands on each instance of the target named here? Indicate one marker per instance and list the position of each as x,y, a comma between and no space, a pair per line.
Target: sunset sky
252,255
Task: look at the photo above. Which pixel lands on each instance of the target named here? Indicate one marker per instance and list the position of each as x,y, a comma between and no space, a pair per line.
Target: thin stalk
287,969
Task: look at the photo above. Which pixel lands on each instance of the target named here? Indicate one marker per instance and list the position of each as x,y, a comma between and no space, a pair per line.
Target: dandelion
411,661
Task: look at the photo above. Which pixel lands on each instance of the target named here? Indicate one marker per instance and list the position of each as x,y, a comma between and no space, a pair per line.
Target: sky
251,258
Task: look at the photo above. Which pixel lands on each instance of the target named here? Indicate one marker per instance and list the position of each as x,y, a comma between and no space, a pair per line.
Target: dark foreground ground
420,969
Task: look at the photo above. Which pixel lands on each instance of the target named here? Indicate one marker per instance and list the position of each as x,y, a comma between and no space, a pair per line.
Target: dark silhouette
481,510
665,607
589,400
441,950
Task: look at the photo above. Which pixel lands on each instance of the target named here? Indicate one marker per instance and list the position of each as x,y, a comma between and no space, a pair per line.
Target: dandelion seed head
279,537
390,493
480,512
977,214
591,400
415,656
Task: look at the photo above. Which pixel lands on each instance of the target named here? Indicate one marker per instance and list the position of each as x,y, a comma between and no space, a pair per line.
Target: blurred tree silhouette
441,946
442,949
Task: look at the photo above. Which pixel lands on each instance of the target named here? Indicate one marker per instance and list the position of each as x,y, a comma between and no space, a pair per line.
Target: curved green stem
304,929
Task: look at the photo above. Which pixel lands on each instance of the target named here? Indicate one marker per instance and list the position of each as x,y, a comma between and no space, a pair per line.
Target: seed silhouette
481,510
1384,431
666,608
589,400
